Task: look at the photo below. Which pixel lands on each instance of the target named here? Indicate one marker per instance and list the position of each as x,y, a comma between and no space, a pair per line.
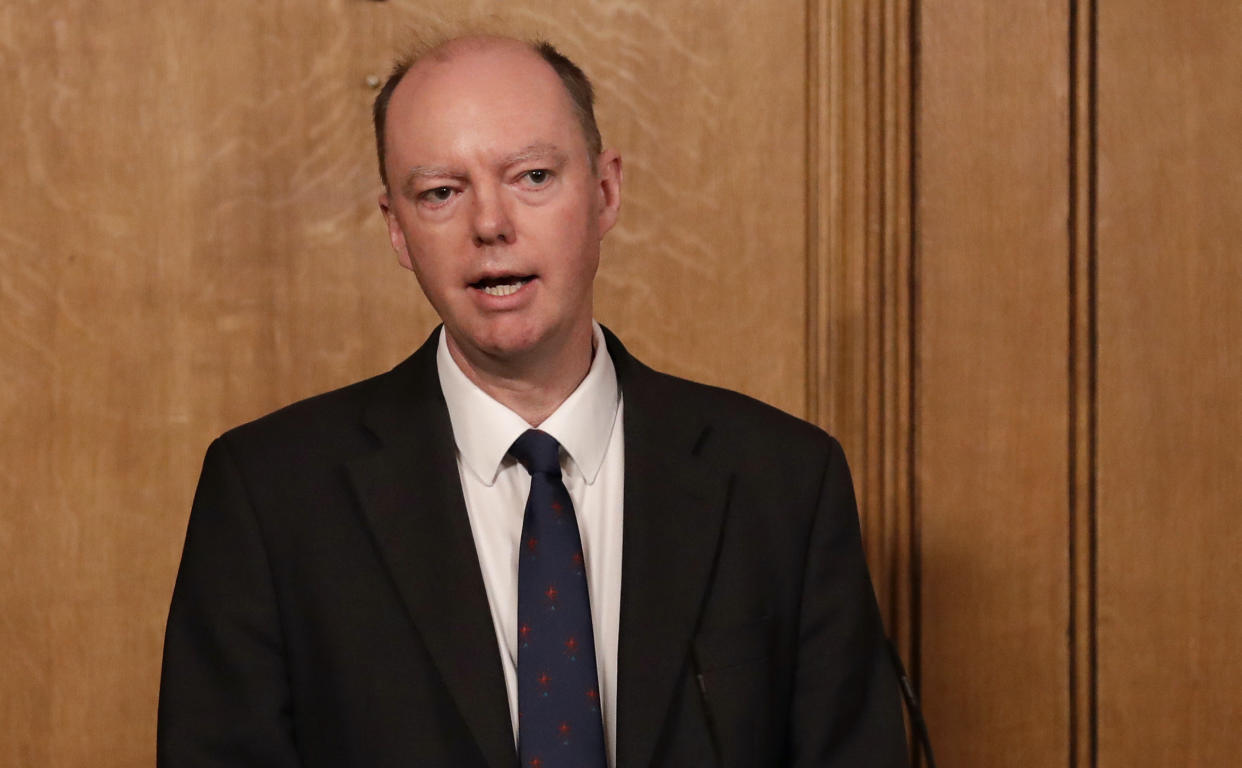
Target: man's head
496,198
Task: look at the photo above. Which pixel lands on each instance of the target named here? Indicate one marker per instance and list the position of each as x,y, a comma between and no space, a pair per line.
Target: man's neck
534,386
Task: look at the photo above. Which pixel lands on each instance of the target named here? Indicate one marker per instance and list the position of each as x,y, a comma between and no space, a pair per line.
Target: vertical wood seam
821,214
914,540
871,233
1082,411
814,257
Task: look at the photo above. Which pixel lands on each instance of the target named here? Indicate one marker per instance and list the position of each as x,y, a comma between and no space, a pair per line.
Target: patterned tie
559,722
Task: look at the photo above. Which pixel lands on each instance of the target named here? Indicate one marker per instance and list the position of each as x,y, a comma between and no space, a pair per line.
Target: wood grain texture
992,380
189,238
1170,383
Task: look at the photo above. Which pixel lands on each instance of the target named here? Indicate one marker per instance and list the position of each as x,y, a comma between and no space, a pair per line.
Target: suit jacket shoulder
322,433
728,431
746,423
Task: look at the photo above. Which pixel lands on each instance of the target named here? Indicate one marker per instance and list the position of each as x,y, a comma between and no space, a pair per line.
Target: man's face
493,202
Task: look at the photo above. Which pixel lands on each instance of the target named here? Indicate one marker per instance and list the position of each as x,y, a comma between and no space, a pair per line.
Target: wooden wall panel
1170,383
189,238
991,379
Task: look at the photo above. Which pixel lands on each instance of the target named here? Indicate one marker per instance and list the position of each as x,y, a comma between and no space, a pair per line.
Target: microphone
912,705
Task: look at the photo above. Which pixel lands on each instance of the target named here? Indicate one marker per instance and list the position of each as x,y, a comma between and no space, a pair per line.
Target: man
404,572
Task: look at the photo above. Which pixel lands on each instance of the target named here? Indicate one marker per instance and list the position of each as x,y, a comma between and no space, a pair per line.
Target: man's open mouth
502,286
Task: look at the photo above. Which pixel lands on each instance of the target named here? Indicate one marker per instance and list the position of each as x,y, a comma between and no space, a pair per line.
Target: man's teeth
504,289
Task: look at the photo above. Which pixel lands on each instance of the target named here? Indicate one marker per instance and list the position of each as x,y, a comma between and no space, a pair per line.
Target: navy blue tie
559,723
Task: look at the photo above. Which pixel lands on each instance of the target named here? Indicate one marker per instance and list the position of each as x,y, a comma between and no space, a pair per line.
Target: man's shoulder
732,420
736,407
335,424
329,422
778,462
322,410
739,424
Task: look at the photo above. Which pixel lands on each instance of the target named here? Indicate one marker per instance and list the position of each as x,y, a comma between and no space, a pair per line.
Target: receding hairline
445,47
452,49
438,39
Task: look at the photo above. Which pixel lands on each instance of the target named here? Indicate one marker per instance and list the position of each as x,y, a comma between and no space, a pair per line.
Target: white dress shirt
588,427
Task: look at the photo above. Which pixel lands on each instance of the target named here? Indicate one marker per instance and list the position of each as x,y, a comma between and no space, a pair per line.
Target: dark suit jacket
329,609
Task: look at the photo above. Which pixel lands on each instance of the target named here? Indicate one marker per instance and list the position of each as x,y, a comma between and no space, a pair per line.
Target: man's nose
492,223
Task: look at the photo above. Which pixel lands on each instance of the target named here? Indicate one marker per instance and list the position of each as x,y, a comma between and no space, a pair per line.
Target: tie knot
538,451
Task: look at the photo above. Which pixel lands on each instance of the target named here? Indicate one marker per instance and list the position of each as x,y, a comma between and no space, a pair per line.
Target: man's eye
438,195
538,177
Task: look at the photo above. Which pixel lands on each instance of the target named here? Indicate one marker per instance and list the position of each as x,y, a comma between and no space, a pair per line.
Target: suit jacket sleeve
845,709
224,697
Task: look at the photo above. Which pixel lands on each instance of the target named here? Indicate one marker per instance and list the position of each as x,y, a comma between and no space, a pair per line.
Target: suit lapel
674,508
411,497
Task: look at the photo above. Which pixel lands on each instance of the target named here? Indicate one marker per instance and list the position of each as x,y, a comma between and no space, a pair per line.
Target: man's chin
510,345
498,346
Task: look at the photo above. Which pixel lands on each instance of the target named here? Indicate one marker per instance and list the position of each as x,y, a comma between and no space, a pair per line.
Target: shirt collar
484,429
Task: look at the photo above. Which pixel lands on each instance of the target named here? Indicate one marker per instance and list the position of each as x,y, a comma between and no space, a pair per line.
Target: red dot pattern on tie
560,724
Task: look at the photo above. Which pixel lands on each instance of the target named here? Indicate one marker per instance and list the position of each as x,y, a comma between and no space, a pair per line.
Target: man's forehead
481,64
500,95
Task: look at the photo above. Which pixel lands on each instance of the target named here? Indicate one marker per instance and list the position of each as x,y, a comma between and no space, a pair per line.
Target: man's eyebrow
538,151
419,172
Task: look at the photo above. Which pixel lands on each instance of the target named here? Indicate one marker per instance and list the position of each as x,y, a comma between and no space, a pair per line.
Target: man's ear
396,237
608,182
